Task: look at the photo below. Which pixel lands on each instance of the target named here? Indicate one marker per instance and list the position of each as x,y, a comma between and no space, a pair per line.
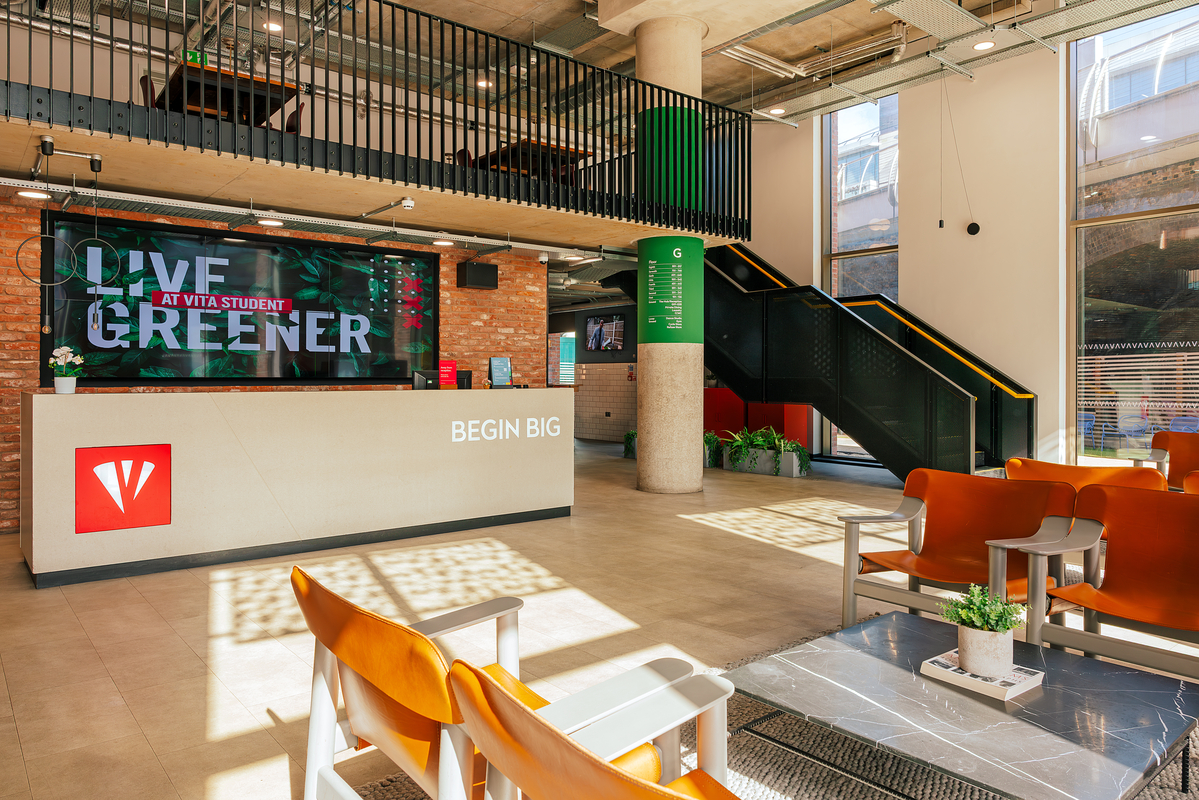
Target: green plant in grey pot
712,449
985,624
630,444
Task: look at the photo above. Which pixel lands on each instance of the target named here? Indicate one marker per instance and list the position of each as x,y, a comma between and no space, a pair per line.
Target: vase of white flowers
67,367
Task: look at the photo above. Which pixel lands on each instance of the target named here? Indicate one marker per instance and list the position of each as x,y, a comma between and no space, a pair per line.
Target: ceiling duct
847,55
571,36
811,12
942,19
759,60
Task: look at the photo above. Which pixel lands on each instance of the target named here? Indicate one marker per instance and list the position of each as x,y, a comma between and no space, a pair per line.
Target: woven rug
760,771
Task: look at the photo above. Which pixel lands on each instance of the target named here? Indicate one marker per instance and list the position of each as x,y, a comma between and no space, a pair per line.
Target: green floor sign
670,277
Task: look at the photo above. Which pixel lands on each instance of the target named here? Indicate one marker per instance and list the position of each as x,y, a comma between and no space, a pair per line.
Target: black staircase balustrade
373,89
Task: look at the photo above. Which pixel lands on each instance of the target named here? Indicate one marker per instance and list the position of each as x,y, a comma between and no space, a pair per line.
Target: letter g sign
678,252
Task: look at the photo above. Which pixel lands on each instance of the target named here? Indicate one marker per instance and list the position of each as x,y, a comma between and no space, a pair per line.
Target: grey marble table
1093,731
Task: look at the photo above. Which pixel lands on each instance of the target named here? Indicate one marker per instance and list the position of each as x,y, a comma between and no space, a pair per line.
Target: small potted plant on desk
985,624
67,367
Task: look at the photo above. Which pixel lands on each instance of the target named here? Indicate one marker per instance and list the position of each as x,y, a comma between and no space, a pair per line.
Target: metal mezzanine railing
372,89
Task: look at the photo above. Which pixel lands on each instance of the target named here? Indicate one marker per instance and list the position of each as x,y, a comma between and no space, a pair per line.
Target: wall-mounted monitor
605,333
150,303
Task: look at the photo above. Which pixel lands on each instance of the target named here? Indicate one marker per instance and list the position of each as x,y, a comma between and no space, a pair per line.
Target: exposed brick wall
602,389
474,325
509,321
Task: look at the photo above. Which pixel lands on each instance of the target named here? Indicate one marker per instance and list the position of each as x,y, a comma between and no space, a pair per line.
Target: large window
863,224
1137,113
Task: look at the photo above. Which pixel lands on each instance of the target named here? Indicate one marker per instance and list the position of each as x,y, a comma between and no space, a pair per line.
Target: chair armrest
1053,529
466,617
1085,534
596,702
908,510
634,725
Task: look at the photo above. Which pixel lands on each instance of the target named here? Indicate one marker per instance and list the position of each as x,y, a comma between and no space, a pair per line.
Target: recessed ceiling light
271,223
274,27
32,195
986,45
484,84
572,258
778,111
1148,138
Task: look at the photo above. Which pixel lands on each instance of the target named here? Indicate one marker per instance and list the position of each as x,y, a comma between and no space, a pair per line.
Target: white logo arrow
107,473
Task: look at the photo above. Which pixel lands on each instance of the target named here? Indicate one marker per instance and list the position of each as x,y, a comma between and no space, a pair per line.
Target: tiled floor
194,684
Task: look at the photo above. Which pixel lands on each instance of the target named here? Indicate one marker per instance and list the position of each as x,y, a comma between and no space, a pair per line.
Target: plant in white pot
985,624
67,367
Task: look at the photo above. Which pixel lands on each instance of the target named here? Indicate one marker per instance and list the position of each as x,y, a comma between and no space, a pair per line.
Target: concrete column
670,300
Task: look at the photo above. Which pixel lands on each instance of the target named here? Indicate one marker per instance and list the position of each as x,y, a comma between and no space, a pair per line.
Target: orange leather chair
1026,469
961,514
546,764
395,682
1149,582
1182,450
1190,484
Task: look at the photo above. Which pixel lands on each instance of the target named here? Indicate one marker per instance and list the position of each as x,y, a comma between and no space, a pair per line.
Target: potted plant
712,448
765,452
67,367
985,624
630,444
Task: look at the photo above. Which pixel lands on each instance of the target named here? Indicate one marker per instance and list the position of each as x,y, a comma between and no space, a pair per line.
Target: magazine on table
945,667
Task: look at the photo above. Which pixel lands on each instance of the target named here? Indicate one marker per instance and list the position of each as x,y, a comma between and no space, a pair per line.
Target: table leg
1186,767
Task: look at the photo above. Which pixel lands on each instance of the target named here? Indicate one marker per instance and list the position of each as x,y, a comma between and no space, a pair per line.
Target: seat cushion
1181,614
958,570
700,784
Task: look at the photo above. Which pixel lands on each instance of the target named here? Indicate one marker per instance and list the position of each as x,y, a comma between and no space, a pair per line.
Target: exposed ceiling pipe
811,12
861,50
754,58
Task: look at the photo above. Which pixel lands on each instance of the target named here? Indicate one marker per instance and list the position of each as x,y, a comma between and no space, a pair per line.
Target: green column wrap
670,289
670,156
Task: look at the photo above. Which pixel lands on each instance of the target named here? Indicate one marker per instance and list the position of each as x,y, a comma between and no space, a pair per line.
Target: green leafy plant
66,364
741,444
630,442
712,443
980,609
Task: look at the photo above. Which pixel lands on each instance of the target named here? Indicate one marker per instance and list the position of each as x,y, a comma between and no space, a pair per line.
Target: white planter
984,653
761,462
64,385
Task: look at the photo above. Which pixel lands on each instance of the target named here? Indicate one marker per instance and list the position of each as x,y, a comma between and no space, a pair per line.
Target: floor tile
150,661
65,717
186,713
41,665
123,623
122,769
12,759
100,595
250,766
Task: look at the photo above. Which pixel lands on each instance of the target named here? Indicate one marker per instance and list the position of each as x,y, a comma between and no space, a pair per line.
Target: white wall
786,204
1002,293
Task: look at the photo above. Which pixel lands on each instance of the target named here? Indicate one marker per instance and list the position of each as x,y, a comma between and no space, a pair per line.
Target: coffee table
1093,730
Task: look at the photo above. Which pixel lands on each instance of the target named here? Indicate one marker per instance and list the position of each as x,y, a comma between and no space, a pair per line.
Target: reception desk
189,479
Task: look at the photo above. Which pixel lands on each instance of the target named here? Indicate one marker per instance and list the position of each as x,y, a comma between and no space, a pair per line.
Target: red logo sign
122,487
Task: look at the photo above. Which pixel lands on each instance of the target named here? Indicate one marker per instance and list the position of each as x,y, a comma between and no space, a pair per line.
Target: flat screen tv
150,303
605,333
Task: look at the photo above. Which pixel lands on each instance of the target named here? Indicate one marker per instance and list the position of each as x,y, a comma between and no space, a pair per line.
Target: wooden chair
547,764
1176,454
960,513
1149,581
395,683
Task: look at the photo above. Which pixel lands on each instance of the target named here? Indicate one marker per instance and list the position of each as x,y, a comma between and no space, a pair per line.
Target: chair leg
322,718
1057,568
1037,567
712,729
455,764
849,600
671,746
914,586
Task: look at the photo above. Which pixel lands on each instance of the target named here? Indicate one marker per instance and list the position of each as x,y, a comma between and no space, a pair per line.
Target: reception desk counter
124,484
